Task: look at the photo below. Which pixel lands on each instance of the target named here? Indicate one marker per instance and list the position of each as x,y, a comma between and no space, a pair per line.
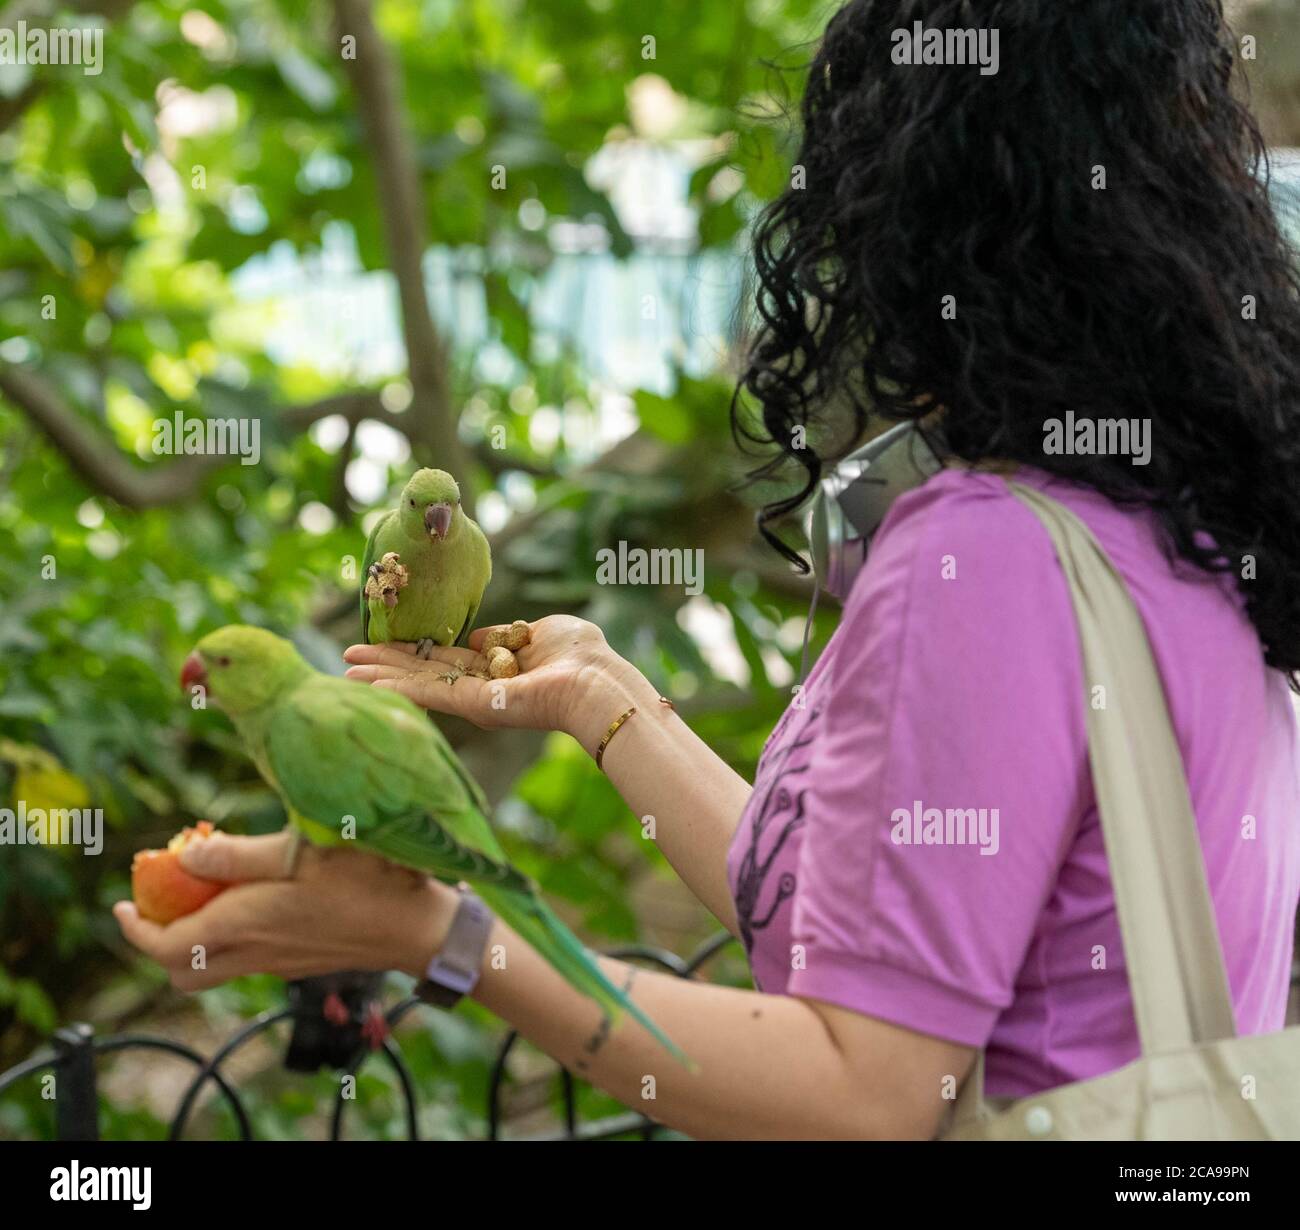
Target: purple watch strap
454,970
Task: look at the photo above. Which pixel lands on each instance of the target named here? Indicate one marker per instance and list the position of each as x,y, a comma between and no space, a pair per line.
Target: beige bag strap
1176,972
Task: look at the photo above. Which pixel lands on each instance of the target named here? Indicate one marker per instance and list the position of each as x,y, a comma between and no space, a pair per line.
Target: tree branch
376,81
339,492
110,472
354,406
497,461
97,460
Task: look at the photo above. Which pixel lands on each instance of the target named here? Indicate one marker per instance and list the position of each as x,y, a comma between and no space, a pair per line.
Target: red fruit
163,890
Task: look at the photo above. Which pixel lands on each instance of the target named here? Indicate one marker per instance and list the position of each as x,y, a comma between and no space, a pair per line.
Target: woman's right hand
569,680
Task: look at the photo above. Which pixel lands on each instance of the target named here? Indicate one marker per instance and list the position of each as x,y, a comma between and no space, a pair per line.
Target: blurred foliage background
504,237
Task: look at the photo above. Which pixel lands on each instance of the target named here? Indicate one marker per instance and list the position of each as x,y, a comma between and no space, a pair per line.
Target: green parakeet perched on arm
431,591
332,748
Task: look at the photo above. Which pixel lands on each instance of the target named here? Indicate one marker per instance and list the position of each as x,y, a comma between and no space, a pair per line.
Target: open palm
564,654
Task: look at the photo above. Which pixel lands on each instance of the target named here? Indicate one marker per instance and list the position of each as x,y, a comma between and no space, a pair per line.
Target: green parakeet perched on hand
426,566
332,748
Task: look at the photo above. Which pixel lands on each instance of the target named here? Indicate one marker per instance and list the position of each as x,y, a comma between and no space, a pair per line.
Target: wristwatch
454,970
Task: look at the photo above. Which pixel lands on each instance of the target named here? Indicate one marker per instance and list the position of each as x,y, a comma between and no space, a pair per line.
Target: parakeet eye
411,502
223,661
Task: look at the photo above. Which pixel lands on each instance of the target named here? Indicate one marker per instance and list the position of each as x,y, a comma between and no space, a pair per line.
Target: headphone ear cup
855,497
838,550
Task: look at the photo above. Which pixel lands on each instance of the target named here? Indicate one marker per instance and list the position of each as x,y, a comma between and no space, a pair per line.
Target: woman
1075,237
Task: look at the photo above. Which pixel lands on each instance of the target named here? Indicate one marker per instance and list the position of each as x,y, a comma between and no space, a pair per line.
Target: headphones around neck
856,493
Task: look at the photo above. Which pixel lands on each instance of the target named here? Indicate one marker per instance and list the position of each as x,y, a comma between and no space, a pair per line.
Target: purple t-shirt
954,681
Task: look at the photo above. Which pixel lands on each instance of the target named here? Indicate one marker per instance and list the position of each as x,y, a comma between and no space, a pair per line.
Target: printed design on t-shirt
781,812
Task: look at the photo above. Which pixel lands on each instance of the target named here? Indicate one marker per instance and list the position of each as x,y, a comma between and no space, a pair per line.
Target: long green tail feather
535,922
511,897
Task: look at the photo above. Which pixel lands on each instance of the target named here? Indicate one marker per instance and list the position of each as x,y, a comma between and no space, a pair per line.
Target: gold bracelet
610,733
613,729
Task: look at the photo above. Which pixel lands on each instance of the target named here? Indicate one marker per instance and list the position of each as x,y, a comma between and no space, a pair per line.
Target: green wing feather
336,748
482,569
463,639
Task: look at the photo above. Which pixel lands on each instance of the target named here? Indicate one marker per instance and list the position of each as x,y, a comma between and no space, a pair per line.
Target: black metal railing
75,1048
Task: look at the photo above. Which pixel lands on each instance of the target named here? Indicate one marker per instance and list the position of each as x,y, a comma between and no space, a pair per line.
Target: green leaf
33,1006
664,416
43,225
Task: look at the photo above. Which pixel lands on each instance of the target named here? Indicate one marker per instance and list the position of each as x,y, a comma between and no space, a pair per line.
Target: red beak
193,672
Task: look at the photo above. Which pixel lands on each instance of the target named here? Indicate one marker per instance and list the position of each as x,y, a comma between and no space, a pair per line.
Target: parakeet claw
424,648
386,579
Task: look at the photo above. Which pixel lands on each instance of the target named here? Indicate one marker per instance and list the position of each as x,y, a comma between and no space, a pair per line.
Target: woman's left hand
343,909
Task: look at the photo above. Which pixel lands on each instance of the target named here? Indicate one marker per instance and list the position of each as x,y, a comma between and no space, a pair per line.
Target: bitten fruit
162,889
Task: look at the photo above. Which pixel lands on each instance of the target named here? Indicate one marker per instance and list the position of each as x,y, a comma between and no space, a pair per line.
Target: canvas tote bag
1195,1079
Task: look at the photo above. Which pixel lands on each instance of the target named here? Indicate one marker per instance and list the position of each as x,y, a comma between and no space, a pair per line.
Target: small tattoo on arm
601,1036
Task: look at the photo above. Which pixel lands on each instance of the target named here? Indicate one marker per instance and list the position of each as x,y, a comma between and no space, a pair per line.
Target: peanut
517,635
501,663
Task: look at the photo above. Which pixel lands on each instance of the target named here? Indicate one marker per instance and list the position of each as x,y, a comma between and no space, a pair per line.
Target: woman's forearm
686,798
765,1066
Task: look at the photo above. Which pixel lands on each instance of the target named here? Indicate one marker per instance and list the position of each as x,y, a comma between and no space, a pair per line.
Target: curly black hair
1169,294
